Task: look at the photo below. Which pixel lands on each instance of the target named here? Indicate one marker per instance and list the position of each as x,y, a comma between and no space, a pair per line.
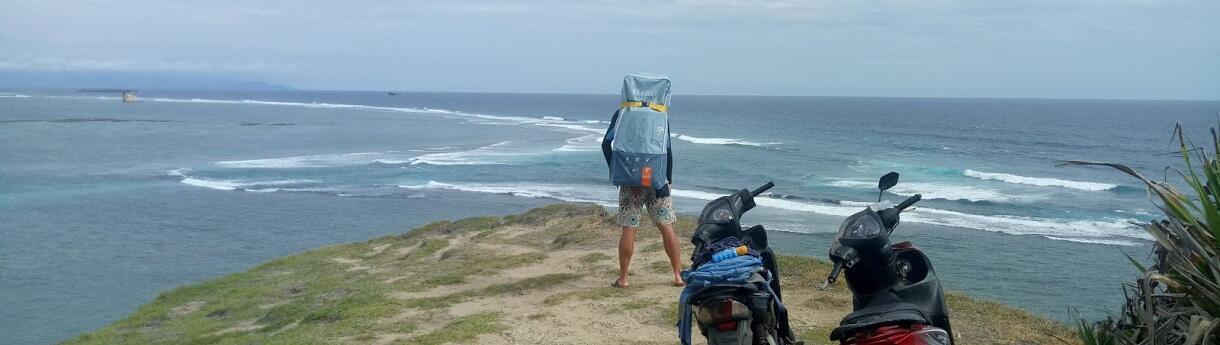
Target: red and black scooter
896,296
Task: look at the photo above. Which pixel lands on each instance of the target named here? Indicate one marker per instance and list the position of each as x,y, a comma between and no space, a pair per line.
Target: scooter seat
863,319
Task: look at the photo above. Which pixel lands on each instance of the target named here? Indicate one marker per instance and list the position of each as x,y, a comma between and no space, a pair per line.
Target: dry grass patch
587,294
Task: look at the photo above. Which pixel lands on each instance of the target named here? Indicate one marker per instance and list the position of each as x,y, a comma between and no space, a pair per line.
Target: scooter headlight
863,227
722,215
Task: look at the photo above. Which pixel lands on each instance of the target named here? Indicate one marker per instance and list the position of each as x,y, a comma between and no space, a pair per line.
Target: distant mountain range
130,80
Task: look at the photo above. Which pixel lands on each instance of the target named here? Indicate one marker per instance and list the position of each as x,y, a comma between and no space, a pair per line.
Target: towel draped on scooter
731,271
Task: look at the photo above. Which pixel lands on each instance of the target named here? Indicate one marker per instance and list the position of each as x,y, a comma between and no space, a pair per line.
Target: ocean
105,204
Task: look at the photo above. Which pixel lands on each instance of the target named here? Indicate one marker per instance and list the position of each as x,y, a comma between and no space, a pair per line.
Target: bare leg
626,247
672,250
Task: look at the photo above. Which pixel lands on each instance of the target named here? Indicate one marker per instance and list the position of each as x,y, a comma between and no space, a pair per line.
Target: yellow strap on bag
654,106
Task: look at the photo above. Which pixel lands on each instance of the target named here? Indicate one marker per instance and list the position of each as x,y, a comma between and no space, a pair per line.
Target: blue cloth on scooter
705,255
779,305
736,270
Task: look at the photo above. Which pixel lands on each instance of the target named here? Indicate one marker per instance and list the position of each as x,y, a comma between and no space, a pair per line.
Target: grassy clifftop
540,277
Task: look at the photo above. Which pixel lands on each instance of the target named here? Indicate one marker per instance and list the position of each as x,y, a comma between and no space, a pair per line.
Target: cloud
1034,48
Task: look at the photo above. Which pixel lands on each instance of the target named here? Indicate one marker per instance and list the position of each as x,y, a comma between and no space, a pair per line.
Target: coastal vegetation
1177,298
539,277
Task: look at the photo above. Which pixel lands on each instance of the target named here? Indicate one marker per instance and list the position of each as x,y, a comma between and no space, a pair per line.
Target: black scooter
743,313
897,298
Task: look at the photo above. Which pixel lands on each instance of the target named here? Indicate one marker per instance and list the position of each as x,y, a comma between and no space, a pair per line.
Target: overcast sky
1147,49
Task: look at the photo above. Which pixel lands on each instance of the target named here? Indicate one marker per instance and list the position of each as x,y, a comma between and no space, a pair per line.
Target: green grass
667,315
310,296
427,248
574,238
816,335
594,258
463,330
637,304
515,288
443,279
529,284
662,266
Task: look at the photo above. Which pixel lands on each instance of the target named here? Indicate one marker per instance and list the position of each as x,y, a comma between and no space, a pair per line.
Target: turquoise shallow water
103,204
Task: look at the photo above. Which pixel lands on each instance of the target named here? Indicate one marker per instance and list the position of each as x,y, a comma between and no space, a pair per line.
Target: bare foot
619,284
678,282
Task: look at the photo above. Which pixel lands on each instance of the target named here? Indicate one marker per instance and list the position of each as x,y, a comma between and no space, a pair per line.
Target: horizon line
291,89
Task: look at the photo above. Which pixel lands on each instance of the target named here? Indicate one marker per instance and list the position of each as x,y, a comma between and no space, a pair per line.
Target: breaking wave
942,191
1109,231
316,161
591,142
295,185
720,141
1039,181
487,155
1094,241
569,193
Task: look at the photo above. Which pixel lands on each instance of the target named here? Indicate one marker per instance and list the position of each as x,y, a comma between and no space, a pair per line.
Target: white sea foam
851,184
498,153
245,185
1109,231
213,184
855,203
1040,181
318,161
958,192
272,190
1018,225
433,149
721,141
1015,225
941,191
545,121
13,95
591,142
494,154
569,193
1093,241
1139,213
819,208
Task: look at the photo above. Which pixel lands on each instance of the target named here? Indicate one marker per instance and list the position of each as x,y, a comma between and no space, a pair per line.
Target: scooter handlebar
908,202
762,189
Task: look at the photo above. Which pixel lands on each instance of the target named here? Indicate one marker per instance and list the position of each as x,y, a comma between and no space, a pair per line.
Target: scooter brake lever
825,285
834,275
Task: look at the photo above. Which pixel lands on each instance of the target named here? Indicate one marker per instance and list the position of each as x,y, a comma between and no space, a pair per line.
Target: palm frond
1176,300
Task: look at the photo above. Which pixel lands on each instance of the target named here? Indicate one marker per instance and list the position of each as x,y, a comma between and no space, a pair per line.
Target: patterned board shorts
631,203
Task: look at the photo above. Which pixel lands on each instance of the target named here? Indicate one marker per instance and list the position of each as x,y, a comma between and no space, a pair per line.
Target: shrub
1176,300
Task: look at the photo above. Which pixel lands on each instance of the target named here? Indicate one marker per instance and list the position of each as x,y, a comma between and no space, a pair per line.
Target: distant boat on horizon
392,93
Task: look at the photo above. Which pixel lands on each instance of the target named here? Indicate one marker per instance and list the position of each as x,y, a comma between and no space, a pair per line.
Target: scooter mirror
888,181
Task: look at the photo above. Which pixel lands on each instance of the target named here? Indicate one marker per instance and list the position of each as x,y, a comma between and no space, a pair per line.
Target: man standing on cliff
638,152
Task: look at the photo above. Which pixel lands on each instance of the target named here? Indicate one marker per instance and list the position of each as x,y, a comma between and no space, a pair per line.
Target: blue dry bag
639,138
